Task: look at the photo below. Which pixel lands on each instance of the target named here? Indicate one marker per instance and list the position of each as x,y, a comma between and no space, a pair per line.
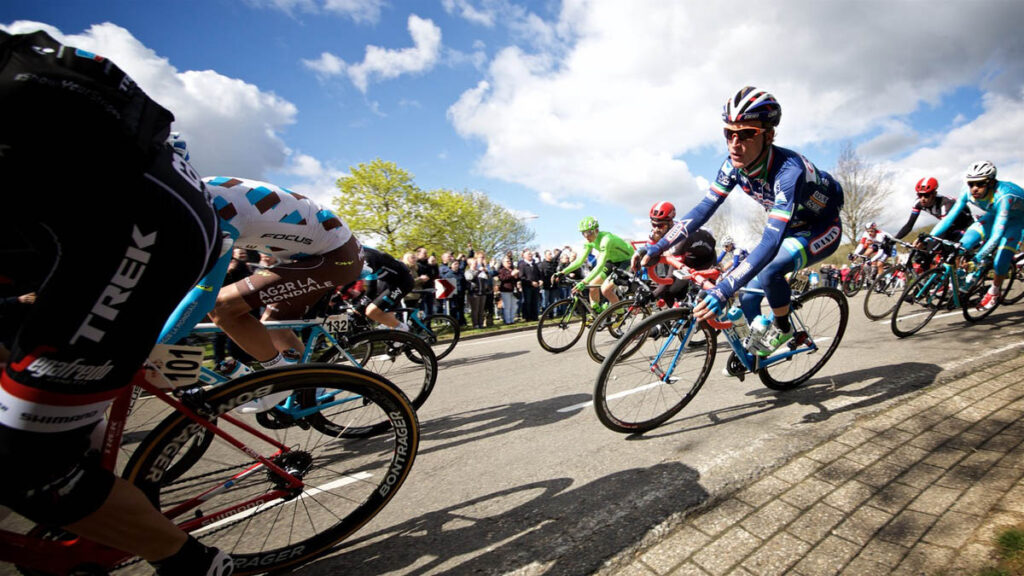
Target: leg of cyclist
132,230
799,249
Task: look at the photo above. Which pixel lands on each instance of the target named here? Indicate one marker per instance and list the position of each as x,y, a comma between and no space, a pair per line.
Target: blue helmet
178,144
752,104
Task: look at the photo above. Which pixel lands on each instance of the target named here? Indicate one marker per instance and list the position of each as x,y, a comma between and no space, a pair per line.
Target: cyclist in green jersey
612,252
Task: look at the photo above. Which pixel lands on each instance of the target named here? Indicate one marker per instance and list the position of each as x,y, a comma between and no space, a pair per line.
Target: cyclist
1002,222
316,253
612,252
131,236
385,282
736,255
876,246
803,213
696,252
929,200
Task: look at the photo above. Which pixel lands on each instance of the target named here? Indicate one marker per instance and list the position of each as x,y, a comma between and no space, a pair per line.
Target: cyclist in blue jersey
803,205
731,256
1001,225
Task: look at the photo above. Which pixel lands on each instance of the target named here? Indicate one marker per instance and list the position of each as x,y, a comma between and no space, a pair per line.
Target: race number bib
336,324
174,366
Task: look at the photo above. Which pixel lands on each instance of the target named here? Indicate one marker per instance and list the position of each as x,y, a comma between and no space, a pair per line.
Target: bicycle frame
61,556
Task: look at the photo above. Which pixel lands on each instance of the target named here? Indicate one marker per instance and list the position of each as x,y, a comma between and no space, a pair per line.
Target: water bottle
739,322
758,328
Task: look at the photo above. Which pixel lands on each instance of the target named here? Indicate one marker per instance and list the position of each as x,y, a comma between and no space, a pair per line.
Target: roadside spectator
548,266
530,283
508,278
457,301
412,299
426,273
480,288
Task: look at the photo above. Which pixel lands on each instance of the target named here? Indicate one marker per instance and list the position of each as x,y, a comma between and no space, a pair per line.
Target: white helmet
981,170
871,225
178,144
727,241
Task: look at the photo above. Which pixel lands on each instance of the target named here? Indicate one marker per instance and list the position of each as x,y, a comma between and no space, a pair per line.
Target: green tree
455,220
378,201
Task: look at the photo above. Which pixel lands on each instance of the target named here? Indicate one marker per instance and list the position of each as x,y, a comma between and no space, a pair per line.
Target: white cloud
359,11
232,127
465,9
624,90
314,179
384,63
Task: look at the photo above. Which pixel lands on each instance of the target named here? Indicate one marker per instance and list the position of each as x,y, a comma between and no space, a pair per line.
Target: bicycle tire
880,300
359,476
611,325
853,285
625,398
559,332
443,336
819,316
1014,290
405,360
970,300
919,302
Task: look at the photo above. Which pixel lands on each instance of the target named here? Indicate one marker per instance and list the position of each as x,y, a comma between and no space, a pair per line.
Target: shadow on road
547,524
452,430
884,383
468,361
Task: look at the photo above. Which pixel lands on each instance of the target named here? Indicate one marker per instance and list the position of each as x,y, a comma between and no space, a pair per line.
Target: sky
563,109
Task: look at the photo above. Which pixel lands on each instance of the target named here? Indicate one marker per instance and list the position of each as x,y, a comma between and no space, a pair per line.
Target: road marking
985,354
612,397
495,339
350,479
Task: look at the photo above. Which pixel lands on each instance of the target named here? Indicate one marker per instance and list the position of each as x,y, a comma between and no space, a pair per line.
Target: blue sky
562,109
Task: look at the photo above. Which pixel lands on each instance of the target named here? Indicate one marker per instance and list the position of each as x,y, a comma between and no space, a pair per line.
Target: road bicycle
273,496
440,331
562,323
639,392
954,283
855,278
1014,292
883,294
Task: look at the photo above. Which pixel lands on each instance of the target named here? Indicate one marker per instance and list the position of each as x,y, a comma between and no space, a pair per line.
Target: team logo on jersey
289,237
821,242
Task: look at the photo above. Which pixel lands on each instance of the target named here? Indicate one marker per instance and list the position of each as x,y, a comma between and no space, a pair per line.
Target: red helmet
663,211
927,185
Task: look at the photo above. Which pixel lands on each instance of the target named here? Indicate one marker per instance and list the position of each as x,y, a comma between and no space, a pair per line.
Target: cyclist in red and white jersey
876,245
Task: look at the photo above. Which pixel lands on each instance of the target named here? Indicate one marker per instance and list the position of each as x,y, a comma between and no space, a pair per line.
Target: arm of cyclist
694,219
943,226
914,213
1002,208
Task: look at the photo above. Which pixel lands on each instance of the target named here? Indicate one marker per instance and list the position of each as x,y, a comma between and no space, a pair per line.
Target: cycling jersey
940,208
610,249
1002,223
128,229
275,220
387,279
881,242
737,255
798,197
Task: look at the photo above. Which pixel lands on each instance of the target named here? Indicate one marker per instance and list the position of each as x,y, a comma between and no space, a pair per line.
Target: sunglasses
926,195
743,134
977,184
660,223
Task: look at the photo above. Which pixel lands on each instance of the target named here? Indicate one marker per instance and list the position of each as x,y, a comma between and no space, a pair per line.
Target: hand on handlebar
708,308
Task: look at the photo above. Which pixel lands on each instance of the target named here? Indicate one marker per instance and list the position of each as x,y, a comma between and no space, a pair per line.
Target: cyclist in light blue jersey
802,202
1001,226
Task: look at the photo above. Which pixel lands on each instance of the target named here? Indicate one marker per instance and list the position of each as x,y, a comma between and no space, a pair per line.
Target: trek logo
288,237
128,274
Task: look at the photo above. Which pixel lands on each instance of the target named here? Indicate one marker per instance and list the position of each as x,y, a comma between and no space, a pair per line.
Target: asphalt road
516,475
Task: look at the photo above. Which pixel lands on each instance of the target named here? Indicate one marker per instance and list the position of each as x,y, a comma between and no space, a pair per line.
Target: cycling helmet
727,241
178,144
752,104
871,225
981,170
927,185
588,223
663,211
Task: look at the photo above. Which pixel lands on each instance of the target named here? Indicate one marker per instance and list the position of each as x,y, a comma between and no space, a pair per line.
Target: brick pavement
921,488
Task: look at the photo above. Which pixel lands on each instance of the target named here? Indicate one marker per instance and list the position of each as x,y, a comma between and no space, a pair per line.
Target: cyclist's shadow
885,383
544,523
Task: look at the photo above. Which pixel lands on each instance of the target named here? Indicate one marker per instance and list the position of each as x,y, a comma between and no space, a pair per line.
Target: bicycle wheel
640,392
226,499
443,333
561,325
819,318
920,300
1013,287
405,360
970,300
881,299
852,286
611,324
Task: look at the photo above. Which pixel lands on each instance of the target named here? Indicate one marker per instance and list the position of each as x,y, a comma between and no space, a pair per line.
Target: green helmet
588,223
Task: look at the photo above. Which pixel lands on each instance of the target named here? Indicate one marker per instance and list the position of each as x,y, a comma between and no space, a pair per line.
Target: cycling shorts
391,290
289,290
126,228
